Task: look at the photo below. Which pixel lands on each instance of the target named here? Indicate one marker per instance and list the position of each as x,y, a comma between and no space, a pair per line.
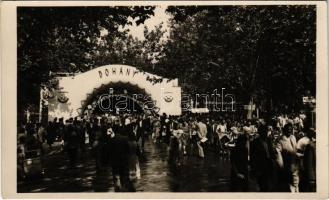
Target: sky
159,16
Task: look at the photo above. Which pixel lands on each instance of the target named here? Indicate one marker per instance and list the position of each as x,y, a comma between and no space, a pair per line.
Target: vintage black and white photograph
166,98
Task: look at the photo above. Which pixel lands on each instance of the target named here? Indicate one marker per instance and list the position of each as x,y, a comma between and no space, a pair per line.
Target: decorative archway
124,96
78,88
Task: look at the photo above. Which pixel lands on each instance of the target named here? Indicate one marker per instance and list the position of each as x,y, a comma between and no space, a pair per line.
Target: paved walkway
194,175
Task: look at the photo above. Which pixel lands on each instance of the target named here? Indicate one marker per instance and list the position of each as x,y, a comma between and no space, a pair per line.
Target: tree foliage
64,39
141,53
264,53
260,53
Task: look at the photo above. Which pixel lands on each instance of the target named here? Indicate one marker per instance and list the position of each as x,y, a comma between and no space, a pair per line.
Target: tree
63,39
141,53
262,54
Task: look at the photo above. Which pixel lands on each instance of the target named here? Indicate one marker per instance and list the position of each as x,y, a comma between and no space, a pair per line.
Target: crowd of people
279,153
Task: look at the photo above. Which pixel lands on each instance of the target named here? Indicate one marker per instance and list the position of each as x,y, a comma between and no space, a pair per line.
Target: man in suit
147,125
140,136
119,156
262,157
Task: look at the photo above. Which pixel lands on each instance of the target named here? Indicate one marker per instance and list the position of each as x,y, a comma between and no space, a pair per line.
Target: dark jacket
309,162
261,156
140,130
119,151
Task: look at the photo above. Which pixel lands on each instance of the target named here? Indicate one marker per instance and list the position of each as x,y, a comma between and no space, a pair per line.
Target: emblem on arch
168,97
62,98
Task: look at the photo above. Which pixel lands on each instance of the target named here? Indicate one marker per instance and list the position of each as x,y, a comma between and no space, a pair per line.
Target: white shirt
296,120
282,121
302,116
178,133
287,144
221,128
202,129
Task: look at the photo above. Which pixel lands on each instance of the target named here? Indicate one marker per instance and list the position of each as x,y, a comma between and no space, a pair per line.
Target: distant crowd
279,153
